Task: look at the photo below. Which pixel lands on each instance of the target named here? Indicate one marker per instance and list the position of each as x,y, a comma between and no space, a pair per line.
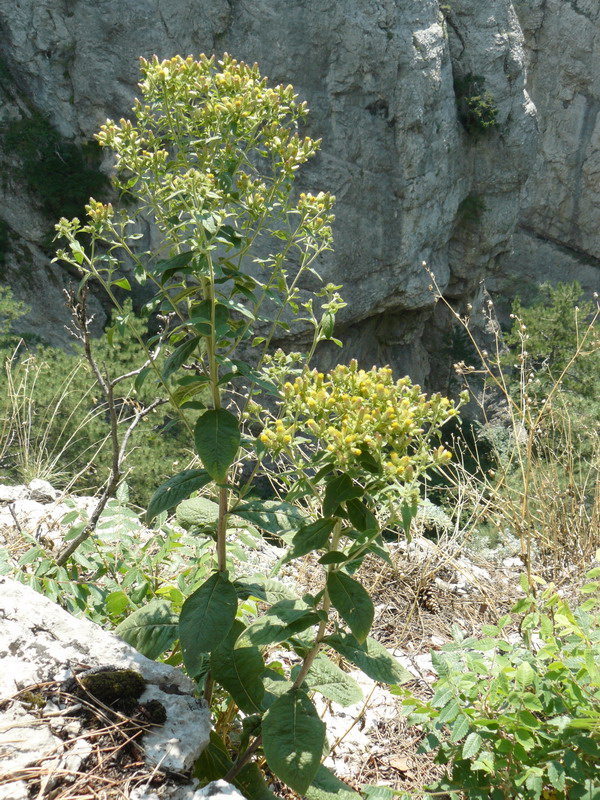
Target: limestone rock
42,491
41,642
379,78
559,237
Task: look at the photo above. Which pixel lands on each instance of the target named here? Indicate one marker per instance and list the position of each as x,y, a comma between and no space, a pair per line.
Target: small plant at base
212,158
518,718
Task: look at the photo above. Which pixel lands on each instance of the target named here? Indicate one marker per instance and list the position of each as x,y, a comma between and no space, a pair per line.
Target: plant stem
322,630
243,759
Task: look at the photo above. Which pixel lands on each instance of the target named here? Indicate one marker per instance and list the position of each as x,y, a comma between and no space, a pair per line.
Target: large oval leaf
310,537
151,629
326,786
206,619
371,657
179,356
293,739
273,516
329,680
217,438
279,622
239,671
353,603
176,489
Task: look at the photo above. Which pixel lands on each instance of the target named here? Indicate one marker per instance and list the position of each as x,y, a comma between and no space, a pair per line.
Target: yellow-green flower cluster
350,410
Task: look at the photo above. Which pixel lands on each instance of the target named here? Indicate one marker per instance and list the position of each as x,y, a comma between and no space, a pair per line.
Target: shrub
212,156
516,715
477,110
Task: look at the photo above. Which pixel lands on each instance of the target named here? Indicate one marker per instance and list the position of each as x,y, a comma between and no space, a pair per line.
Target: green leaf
175,490
272,516
197,512
360,516
206,619
524,674
217,438
329,680
179,356
333,557
371,657
339,489
267,589
353,603
472,745
408,511
460,728
123,283
293,739
116,603
239,671
310,537
556,775
151,629
279,622
213,762
326,786
172,265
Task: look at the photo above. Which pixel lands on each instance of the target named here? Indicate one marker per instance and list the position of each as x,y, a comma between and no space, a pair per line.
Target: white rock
42,491
219,790
38,639
10,494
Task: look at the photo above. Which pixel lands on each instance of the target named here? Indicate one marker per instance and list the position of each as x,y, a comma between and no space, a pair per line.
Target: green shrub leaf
310,537
206,619
293,739
339,489
271,515
151,629
176,489
239,671
329,680
353,603
281,621
179,356
217,438
371,657
472,745
326,786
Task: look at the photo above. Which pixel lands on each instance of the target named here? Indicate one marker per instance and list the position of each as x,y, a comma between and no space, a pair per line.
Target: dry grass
113,764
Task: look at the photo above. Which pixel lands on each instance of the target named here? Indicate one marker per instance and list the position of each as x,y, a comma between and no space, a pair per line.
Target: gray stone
42,491
378,77
40,642
559,236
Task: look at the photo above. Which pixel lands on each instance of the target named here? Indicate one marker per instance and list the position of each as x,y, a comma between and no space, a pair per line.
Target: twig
11,508
119,449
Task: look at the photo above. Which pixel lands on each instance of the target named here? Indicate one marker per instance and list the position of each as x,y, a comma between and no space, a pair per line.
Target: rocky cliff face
558,237
381,78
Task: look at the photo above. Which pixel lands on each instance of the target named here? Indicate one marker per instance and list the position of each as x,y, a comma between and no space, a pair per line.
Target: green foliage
122,576
552,341
57,420
517,716
212,156
477,110
63,174
10,311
